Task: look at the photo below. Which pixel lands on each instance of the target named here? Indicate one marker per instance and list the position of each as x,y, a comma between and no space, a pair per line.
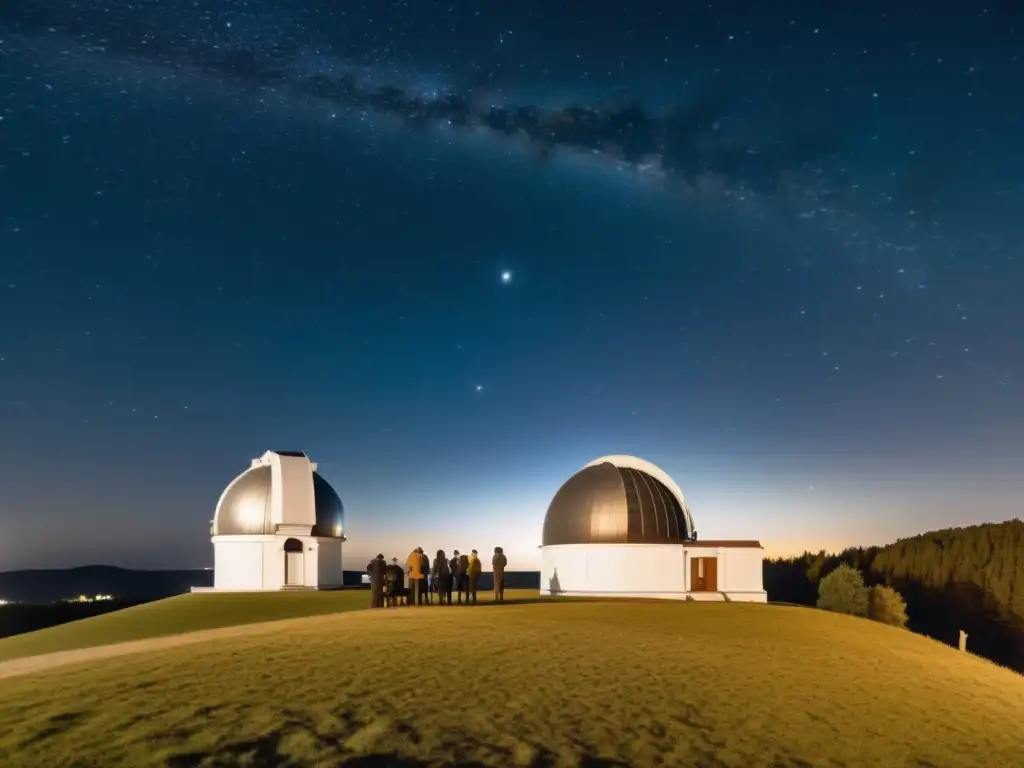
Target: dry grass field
537,684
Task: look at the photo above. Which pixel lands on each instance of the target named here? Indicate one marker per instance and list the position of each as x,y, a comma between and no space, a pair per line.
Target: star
506,277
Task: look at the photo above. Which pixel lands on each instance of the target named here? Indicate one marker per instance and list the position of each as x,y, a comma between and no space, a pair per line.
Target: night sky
454,251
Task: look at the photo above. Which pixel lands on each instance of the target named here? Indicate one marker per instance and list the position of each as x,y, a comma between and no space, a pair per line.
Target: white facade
268,529
254,563
670,571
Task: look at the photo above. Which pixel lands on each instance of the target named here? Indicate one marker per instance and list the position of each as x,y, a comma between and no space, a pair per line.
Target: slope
612,683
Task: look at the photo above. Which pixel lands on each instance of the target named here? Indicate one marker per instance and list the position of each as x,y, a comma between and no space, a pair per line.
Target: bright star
506,277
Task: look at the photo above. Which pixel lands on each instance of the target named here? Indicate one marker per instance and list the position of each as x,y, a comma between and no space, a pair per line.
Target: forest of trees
969,579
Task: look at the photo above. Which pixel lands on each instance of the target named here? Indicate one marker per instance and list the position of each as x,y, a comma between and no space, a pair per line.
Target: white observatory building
620,528
278,525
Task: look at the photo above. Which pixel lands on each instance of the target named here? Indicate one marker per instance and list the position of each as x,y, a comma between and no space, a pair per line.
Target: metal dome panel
244,509
589,507
330,512
608,504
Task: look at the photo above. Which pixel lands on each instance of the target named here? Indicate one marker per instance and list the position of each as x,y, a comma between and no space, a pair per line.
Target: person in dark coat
498,563
453,566
463,577
458,574
401,591
393,581
377,569
442,574
425,571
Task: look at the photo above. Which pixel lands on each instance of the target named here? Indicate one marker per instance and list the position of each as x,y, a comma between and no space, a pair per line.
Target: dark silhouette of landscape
969,579
49,585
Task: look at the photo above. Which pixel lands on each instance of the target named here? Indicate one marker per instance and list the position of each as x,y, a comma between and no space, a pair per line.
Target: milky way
683,142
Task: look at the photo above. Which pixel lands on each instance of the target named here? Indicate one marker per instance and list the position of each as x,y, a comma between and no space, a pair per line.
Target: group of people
460,574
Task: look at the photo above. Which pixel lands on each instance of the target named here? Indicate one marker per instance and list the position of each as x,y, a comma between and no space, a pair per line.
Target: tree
886,605
843,591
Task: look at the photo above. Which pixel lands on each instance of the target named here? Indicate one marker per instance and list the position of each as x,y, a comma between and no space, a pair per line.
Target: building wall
329,563
743,571
649,570
258,562
238,562
273,561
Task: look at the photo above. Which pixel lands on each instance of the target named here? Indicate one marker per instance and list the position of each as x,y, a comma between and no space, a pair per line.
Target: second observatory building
278,525
620,528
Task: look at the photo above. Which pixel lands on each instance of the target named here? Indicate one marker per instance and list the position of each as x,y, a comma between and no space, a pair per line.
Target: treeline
969,579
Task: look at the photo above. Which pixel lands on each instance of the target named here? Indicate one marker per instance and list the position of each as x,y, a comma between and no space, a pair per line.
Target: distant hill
45,586
969,579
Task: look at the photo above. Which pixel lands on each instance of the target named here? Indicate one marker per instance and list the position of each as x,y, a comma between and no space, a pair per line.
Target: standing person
442,578
463,577
392,579
453,566
413,567
498,563
399,583
425,581
472,576
376,568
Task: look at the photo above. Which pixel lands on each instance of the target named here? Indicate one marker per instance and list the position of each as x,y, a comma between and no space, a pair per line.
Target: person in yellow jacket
473,574
414,567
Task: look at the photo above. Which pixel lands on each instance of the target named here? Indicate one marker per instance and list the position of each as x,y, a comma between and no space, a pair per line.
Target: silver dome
245,507
608,504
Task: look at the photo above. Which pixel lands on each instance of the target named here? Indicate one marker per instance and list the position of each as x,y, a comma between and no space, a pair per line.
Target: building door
293,563
704,574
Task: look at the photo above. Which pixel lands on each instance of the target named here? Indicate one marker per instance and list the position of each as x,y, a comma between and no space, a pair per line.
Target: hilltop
550,683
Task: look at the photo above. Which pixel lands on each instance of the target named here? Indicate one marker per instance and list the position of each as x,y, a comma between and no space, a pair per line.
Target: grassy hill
176,615
549,683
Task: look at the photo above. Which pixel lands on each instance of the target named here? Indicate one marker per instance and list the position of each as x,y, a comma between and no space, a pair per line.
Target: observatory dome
618,500
246,506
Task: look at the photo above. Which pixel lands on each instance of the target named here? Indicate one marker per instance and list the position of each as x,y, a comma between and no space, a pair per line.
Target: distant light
3,602
479,388
506,277
88,599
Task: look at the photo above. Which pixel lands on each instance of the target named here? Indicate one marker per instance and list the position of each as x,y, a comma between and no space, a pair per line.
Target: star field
455,251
